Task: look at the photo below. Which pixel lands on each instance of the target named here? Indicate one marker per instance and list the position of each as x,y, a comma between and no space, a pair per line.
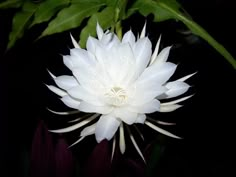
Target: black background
206,121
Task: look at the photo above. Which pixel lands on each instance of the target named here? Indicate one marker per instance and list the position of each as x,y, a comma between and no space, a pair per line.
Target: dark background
206,121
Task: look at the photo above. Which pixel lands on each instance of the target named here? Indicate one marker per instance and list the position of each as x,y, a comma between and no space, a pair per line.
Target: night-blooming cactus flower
120,81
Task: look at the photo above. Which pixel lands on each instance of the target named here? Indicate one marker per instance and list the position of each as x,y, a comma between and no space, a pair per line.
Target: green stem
119,30
198,30
118,27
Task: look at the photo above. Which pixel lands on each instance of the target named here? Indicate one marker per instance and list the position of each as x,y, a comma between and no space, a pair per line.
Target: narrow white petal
106,127
113,148
66,82
154,55
176,101
162,56
80,118
74,42
160,122
88,130
139,132
165,123
141,118
56,90
169,108
64,113
129,38
160,130
99,31
122,139
52,75
176,88
80,139
70,102
135,144
186,77
76,126
150,107
74,120
90,108
143,33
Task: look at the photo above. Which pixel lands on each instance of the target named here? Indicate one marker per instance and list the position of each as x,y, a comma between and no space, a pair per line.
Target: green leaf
146,7
105,18
20,22
47,9
71,17
170,9
86,1
11,4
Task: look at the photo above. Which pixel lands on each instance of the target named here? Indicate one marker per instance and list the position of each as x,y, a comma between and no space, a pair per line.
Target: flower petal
135,144
68,62
186,77
99,31
88,130
141,118
64,113
125,115
176,101
74,42
82,93
176,88
56,90
154,55
157,74
128,38
52,75
163,56
106,127
82,58
90,108
142,35
66,82
142,52
76,142
169,108
122,144
149,107
145,93
91,44
154,127
70,102
76,126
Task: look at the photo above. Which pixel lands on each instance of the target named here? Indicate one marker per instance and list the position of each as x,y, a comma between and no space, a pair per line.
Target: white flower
120,81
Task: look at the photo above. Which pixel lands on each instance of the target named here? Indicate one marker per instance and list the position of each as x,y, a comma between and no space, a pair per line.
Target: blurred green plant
62,15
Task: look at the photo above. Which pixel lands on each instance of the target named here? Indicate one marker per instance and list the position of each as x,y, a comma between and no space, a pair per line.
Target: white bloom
120,81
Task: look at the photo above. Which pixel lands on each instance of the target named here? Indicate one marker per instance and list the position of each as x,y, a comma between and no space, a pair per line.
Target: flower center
116,96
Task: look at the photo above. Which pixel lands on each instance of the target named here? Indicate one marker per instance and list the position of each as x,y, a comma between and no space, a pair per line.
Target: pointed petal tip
74,42
162,131
99,31
143,33
52,75
187,77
